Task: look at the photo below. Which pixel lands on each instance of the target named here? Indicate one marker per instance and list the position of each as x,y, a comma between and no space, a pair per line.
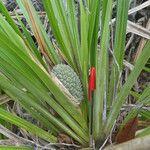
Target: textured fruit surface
69,79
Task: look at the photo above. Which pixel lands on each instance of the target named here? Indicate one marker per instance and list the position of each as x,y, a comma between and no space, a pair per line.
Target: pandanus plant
69,86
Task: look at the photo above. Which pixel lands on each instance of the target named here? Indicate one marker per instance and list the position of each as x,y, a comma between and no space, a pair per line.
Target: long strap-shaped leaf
84,51
73,22
10,52
94,18
29,41
119,46
12,90
58,31
26,125
101,74
8,30
11,22
39,32
143,100
15,148
39,94
64,27
144,132
19,42
144,95
4,11
35,113
120,34
48,81
67,29
120,99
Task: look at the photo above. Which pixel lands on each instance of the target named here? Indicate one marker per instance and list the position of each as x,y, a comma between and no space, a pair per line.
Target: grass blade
49,81
101,68
94,20
61,30
26,125
120,99
39,32
28,39
4,11
15,148
84,51
40,94
22,96
144,132
119,46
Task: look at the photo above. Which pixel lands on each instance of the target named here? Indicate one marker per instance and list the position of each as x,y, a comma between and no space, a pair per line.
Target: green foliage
14,148
26,125
25,74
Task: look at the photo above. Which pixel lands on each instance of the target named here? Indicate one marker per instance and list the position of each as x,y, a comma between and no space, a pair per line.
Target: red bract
92,82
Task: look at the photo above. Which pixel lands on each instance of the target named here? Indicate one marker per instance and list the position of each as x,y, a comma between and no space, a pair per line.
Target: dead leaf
128,131
63,138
